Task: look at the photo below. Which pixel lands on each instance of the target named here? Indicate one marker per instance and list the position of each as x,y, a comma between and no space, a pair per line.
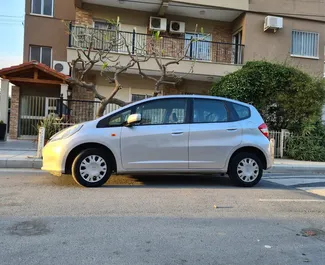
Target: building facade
282,31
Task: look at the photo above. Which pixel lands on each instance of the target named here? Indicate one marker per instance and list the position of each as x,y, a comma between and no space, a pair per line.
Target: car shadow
165,181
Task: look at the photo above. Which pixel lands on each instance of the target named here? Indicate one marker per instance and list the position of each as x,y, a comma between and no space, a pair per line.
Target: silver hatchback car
165,135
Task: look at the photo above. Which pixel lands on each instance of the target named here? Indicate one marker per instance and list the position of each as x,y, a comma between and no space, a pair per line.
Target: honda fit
165,135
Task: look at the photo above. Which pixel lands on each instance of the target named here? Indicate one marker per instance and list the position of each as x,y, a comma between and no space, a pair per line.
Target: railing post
70,30
61,106
103,35
133,41
41,141
191,48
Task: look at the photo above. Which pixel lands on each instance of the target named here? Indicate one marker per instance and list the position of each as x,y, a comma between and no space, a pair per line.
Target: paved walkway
19,154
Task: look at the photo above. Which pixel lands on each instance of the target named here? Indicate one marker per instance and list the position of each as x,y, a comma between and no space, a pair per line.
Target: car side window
166,111
209,111
116,120
119,119
242,112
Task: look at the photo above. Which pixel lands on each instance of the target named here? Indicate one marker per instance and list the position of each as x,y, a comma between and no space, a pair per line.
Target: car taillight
263,128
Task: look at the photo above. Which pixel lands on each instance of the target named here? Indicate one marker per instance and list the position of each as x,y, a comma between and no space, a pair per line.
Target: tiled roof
33,64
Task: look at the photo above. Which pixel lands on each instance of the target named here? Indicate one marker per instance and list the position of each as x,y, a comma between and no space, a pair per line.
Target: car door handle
232,129
177,133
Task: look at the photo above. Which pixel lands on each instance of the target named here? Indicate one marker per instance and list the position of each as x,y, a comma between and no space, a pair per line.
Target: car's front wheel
91,168
245,170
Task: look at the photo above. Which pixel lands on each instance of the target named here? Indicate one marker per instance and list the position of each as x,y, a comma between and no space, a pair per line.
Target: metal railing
280,142
172,47
34,109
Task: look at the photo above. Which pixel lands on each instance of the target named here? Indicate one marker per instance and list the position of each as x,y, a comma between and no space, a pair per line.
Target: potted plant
3,129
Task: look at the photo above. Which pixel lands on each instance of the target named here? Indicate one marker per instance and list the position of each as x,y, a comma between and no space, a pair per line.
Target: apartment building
235,32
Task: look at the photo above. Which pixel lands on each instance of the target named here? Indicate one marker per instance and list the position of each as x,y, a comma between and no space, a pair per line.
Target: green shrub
286,97
309,146
51,125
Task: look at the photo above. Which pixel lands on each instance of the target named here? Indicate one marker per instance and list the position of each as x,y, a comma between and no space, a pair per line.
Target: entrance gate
32,111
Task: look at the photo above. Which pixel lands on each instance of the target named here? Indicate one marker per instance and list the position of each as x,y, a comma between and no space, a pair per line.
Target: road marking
289,200
296,181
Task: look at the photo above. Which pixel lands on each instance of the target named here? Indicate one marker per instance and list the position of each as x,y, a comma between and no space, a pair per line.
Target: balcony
211,58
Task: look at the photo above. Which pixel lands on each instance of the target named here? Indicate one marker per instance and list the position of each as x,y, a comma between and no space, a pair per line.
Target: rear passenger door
213,134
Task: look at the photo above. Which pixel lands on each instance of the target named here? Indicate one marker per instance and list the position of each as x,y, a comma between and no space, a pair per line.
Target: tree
286,97
95,47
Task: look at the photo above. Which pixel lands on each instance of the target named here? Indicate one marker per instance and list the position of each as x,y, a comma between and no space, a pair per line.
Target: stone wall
83,17
82,106
14,112
222,33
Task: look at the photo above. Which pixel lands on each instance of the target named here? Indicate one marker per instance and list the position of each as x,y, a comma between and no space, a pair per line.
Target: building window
138,97
104,25
41,54
305,44
42,7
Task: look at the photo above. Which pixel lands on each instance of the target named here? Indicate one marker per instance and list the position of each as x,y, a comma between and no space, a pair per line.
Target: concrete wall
134,84
239,4
40,91
276,47
49,31
312,9
200,68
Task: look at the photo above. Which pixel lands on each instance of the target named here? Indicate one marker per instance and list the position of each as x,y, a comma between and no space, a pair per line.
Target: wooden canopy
32,73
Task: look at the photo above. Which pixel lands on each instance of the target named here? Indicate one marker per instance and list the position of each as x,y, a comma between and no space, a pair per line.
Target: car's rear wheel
91,168
245,170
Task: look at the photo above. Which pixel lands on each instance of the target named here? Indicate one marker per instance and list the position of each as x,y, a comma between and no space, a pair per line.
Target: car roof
191,96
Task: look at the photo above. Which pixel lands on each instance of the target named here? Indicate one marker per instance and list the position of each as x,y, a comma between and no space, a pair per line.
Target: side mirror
134,118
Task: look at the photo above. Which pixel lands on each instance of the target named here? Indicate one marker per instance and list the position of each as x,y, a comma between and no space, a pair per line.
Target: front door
160,140
212,136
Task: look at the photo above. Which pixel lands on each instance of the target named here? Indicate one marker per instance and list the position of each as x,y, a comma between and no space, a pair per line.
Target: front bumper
54,157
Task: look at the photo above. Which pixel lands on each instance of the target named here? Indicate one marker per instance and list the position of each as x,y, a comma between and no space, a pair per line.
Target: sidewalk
22,154
288,165
19,154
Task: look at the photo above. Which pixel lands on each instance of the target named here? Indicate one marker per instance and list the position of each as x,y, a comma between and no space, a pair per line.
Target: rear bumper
270,155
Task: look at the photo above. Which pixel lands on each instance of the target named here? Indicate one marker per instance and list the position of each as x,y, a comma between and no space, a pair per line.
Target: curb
296,168
34,163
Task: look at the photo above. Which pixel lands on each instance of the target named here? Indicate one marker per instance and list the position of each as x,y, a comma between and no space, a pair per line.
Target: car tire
245,170
91,168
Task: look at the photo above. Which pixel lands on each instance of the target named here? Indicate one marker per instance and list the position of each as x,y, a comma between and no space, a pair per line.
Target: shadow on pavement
162,181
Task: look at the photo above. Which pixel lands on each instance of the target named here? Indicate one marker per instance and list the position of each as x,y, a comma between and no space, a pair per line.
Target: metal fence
280,142
68,111
173,47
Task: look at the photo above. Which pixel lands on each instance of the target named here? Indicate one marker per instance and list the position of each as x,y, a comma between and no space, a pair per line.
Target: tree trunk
104,104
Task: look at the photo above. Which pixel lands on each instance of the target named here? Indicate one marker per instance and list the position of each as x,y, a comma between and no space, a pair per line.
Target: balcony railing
170,47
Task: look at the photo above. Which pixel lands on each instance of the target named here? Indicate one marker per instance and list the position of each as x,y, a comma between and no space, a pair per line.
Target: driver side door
160,140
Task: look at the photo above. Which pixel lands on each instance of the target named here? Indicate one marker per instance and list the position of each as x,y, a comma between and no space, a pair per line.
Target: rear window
242,112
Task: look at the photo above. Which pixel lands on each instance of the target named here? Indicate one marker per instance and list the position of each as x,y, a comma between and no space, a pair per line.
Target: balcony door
237,54
201,50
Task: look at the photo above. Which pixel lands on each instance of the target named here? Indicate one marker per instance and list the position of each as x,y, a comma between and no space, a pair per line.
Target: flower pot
3,129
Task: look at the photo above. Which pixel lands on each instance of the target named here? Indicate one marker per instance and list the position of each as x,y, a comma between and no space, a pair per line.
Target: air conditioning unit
61,67
177,27
272,22
158,23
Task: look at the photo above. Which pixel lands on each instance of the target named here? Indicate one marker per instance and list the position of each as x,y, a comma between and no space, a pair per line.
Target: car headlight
66,133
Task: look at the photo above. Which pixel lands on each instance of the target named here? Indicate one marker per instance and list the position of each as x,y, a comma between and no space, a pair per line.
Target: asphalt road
160,220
